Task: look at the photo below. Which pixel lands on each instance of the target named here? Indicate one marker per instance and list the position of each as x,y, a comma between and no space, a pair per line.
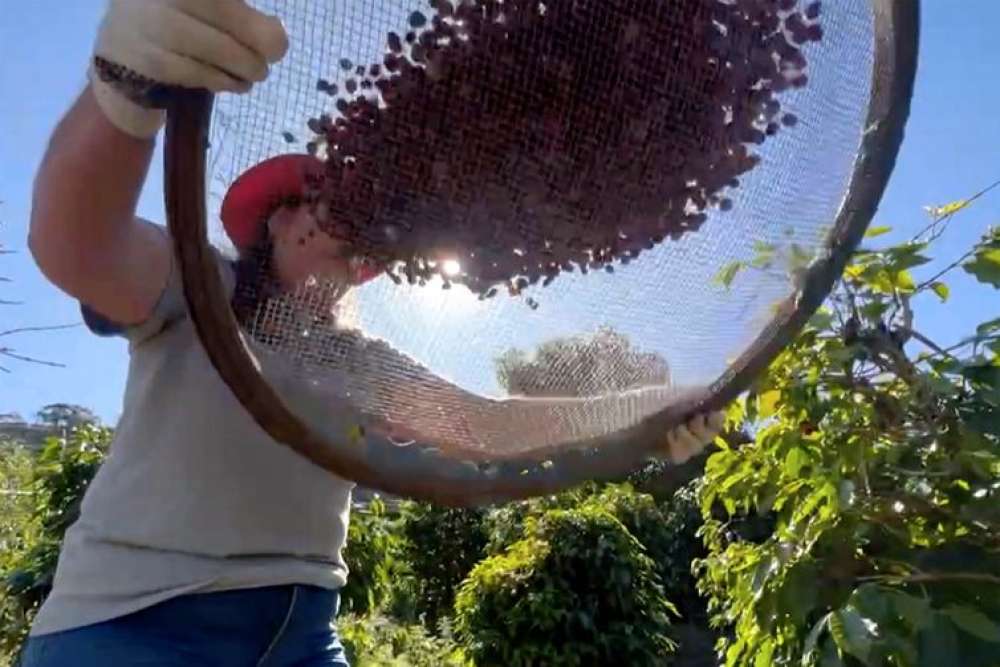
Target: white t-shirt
194,496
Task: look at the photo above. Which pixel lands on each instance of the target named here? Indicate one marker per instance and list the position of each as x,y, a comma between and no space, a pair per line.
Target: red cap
261,189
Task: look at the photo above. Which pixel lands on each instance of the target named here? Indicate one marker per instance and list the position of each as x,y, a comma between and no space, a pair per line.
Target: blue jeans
283,626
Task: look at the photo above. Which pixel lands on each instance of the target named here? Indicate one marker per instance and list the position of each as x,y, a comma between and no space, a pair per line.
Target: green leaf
985,266
728,273
798,592
974,622
764,654
762,575
874,310
877,231
881,282
795,461
984,376
872,601
822,319
735,651
767,403
954,207
938,644
941,290
914,610
903,281
855,271
809,505
812,640
988,327
830,657
906,256
852,632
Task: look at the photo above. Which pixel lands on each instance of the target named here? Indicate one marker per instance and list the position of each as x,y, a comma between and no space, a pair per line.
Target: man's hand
218,45
690,439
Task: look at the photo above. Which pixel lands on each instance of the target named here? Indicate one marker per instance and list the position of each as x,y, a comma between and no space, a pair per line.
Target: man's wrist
131,118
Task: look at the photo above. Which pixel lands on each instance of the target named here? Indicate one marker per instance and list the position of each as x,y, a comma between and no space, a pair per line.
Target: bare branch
921,473
7,352
974,340
931,577
927,341
945,270
54,327
942,220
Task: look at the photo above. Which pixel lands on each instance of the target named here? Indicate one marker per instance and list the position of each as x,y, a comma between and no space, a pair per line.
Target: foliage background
872,480
849,515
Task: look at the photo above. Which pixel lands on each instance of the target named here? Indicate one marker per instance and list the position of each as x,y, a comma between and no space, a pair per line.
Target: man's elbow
53,253
39,244
42,228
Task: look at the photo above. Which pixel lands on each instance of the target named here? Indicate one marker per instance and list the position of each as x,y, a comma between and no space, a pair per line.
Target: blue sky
952,149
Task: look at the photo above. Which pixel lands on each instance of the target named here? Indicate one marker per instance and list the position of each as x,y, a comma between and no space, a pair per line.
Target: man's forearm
84,234
87,188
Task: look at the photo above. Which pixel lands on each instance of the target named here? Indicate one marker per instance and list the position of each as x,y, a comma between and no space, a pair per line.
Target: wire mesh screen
580,211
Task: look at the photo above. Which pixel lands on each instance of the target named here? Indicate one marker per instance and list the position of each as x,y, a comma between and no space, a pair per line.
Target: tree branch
54,327
930,577
938,221
928,342
945,270
7,352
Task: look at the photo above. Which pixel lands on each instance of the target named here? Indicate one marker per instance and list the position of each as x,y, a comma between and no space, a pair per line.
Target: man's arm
84,235
428,408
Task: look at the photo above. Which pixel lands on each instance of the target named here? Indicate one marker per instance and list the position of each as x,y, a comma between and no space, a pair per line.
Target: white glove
218,45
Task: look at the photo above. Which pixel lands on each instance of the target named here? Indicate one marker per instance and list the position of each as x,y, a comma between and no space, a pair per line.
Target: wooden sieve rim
421,471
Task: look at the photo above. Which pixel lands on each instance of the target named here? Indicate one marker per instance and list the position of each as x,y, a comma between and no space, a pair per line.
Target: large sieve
591,218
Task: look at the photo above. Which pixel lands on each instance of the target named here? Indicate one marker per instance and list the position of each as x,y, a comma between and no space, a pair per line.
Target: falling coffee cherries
524,139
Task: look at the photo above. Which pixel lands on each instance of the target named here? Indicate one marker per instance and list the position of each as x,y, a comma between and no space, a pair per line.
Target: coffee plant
371,556
61,474
440,546
578,589
861,526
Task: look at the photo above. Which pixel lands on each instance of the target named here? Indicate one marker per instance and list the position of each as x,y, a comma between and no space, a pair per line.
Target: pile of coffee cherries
522,139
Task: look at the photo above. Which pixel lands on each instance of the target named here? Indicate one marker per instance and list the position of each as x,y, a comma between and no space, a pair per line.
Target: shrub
577,590
371,555
440,546
62,472
874,473
506,524
16,499
376,641
668,532
682,547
